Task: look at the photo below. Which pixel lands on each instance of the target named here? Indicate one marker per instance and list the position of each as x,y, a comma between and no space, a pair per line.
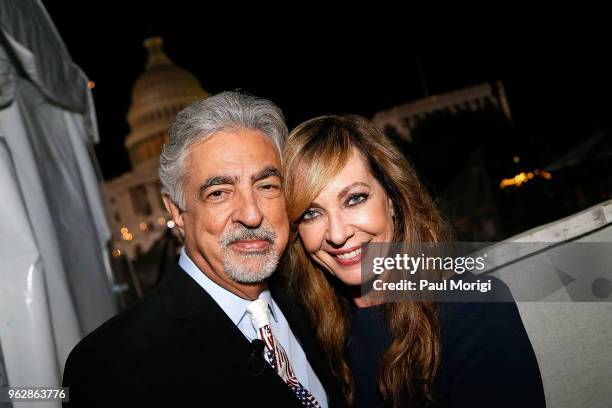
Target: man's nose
338,230
247,211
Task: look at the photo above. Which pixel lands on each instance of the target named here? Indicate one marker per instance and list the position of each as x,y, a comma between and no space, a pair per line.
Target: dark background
311,60
556,72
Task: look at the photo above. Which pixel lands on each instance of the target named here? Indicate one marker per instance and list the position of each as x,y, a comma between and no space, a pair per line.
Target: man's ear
175,213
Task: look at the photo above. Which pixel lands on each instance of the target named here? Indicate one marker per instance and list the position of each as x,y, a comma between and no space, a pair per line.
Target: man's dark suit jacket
178,343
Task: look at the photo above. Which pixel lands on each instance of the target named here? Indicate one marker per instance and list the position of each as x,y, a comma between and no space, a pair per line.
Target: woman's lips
348,258
251,246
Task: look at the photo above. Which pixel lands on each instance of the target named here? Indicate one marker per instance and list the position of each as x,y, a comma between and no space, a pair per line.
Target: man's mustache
261,233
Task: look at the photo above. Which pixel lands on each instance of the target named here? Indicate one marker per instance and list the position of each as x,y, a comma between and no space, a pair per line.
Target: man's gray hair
226,111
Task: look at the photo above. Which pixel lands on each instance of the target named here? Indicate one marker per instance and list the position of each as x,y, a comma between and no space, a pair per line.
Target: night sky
557,80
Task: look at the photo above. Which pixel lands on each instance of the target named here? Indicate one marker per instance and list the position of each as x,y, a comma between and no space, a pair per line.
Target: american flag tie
275,354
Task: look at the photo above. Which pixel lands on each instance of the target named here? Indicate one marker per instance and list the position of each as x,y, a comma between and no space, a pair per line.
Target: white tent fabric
55,280
571,340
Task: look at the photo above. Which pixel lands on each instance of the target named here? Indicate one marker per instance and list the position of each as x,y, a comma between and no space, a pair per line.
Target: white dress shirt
235,308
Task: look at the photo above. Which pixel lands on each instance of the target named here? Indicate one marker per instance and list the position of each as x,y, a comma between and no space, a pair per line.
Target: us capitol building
135,209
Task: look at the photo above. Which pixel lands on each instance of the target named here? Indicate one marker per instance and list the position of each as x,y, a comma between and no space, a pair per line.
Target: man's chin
250,271
250,277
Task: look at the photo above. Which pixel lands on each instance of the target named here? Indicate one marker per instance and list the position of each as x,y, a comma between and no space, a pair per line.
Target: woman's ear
391,208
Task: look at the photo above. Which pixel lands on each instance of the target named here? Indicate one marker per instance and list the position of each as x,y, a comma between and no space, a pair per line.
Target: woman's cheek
365,219
311,238
374,218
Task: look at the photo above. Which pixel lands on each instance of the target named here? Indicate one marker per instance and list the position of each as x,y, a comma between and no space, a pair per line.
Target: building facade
135,209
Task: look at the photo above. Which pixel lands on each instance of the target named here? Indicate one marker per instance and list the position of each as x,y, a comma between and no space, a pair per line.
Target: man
215,327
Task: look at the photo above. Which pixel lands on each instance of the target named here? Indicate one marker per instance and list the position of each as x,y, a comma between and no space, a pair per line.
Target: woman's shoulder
483,317
487,356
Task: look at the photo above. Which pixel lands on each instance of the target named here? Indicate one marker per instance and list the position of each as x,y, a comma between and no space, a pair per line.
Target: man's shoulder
155,322
125,327
110,350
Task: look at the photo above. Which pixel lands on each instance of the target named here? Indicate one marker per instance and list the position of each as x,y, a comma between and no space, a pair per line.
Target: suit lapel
208,336
215,351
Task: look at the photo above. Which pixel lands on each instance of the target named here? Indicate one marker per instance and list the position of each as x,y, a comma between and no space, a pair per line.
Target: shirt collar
233,306
267,296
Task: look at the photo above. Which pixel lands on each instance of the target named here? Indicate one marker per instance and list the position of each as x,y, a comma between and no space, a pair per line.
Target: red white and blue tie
275,354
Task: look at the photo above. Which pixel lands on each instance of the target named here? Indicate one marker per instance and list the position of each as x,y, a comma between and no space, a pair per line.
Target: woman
347,184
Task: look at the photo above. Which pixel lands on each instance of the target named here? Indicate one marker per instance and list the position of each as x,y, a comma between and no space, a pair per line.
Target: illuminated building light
91,84
516,159
116,252
170,224
523,178
545,174
143,226
161,221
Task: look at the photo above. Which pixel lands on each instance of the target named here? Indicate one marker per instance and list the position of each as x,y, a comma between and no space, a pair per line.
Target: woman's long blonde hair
315,152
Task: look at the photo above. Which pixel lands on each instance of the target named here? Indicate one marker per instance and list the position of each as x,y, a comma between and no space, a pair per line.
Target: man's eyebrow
217,180
269,171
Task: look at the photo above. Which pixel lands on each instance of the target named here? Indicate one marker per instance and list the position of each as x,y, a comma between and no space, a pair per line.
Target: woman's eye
356,199
309,215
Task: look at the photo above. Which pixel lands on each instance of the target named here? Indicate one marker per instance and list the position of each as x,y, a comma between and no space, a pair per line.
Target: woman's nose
338,230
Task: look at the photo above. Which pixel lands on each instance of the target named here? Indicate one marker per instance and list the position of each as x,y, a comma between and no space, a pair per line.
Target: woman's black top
486,357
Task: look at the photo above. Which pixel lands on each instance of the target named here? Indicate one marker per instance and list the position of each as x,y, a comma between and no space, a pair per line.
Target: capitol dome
158,94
